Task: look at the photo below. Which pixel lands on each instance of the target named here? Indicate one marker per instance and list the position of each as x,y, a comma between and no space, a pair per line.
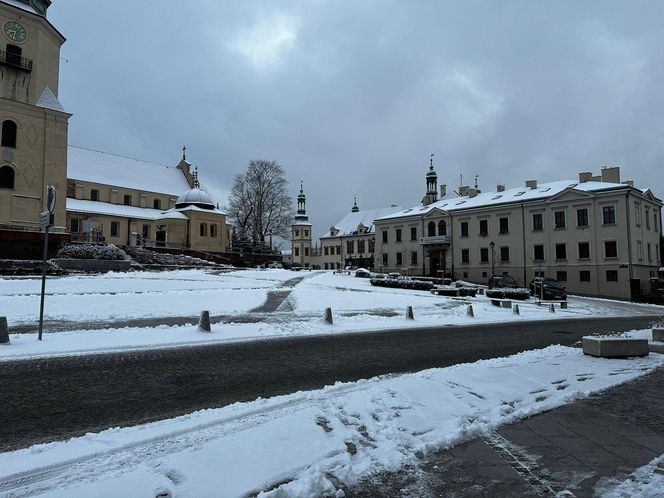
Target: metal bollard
4,331
516,310
328,315
470,310
409,313
204,322
552,308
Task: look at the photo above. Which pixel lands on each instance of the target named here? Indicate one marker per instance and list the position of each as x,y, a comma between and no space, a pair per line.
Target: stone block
658,334
328,315
409,313
204,322
654,347
615,347
4,330
470,311
563,305
507,304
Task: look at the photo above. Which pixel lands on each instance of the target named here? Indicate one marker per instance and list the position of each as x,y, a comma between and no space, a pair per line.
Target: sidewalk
574,450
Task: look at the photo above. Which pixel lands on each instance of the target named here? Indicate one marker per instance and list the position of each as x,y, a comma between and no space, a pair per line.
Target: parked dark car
553,290
503,281
296,267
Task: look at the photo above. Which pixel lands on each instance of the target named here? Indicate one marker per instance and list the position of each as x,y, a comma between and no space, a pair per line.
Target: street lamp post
270,232
492,244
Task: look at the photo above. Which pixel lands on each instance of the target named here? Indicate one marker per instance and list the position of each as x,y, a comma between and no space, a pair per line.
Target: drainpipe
424,269
523,236
451,241
629,241
128,231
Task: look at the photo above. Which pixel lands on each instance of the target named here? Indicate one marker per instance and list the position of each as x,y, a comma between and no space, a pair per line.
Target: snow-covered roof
348,225
121,211
199,209
119,171
48,100
518,194
194,196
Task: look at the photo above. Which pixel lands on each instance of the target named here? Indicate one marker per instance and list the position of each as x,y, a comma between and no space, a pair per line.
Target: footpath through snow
313,443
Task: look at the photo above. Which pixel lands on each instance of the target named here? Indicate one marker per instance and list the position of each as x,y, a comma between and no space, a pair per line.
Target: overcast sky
352,97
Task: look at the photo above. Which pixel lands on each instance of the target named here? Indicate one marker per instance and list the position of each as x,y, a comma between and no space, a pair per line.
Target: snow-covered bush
508,293
147,257
449,290
463,283
91,251
401,283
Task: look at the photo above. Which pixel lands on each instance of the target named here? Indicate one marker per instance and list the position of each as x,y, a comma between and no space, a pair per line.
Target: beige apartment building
597,235
33,151
351,241
129,202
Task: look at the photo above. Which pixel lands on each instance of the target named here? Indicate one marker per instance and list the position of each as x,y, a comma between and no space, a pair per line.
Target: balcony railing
436,239
15,60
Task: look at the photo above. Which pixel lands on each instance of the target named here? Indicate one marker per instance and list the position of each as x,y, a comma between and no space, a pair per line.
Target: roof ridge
120,155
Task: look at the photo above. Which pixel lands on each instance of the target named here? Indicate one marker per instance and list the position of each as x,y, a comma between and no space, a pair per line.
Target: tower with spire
431,195
301,235
355,209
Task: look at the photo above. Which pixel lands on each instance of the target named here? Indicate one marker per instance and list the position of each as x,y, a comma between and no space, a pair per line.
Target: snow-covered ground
311,443
109,299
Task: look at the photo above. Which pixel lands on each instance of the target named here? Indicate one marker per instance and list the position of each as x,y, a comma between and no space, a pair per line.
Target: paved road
50,399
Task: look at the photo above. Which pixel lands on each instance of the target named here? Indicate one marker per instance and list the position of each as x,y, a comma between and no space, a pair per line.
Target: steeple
432,185
355,208
301,206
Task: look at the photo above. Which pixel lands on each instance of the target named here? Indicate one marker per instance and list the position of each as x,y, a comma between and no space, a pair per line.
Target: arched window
431,229
6,177
9,134
442,227
203,230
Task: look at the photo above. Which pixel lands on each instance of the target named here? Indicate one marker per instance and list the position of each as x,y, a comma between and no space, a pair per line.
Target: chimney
628,182
611,174
500,187
531,184
463,190
472,192
585,176
443,190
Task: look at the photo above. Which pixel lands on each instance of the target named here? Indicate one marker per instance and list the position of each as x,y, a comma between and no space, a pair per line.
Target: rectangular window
115,228
297,232
94,195
306,233
638,215
398,234
484,255
639,249
413,258
647,219
611,275
609,215
582,217
327,266
372,245
156,204
561,251
326,250
146,232
213,230
584,276
399,259
559,219
484,274
504,225
649,252
338,250
504,254
538,252
610,249
584,250
384,259
413,233
484,227
464,229
465,274
384,236
350,246
538,223
561,276
306,251
297,251
75,226
360,246
654,222
127,200
465,255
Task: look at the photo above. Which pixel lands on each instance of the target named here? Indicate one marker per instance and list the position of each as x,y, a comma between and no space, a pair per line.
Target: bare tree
259,202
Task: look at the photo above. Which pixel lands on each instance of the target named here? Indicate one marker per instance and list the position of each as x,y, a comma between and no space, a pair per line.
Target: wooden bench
563,304
503,303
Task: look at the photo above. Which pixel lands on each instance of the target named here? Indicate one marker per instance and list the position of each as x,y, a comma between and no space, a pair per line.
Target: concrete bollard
409,313
657,334
552,308
470,311
328,315
204,322
516,310
4,331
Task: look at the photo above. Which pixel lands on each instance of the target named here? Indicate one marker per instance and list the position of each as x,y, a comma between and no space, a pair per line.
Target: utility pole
45,221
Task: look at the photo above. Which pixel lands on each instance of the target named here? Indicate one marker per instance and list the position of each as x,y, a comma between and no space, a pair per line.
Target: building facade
598,236
352,241
34,124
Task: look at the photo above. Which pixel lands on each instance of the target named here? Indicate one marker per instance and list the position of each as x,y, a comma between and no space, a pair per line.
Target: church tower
432,185
33,151
301,233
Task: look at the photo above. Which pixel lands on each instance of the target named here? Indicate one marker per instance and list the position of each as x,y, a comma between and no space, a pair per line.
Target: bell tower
301,233
33,150
432,185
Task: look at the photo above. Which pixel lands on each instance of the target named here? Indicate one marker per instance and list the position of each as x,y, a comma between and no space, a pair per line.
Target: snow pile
508,293
148,257
313,443
91,251
646,481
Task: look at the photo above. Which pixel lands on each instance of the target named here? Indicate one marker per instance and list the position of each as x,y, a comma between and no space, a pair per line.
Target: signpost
45,222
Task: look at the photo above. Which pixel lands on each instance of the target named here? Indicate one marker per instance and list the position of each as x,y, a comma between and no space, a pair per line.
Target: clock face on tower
14,31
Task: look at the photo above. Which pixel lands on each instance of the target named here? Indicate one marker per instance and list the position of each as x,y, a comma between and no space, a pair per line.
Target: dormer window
9,134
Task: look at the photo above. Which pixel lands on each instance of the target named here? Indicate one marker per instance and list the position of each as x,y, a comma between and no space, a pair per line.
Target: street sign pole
45,220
